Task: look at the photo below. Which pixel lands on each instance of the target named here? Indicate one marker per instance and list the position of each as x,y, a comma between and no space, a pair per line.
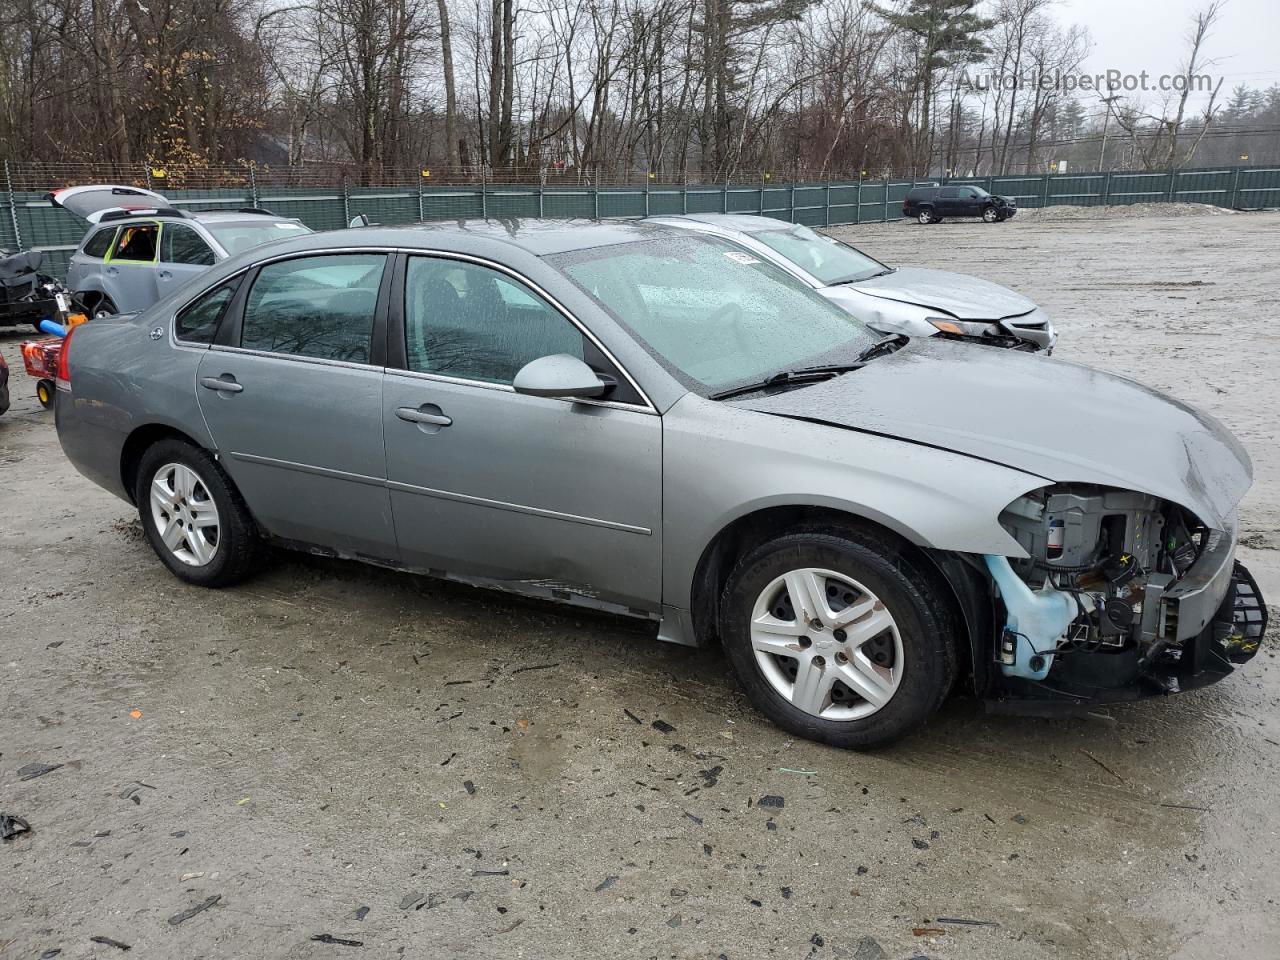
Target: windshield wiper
797,377
858,278
895,341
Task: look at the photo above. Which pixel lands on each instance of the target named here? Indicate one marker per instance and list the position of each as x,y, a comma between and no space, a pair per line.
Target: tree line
585,89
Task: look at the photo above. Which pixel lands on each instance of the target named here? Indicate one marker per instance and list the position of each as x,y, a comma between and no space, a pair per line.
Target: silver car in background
140,248
640,419
914,301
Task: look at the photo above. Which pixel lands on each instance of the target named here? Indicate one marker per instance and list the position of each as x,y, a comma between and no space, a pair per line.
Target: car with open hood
914,301
637,418
140,247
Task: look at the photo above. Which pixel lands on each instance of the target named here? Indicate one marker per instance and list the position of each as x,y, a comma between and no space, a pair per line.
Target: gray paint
1064,421
617,503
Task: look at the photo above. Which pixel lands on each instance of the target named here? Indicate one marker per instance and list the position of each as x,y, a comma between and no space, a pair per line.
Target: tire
991,215
45,392
104,307
917,646
925,216
216,554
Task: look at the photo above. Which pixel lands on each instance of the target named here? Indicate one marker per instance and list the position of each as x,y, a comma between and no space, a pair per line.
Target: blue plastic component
51,328
1039,618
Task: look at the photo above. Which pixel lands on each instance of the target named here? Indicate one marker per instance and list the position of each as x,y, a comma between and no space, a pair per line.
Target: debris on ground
11,826
632,717
868,948
663,727
469,787
413,901
33,770
107,941
960,921
606,883
770,800
358,914
190,912
134,791
330,938
926,931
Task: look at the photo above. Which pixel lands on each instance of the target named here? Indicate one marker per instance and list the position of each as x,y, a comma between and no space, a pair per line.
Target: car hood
960,296
1062,421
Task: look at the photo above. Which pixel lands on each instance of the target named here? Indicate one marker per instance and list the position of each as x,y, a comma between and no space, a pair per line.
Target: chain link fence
328,199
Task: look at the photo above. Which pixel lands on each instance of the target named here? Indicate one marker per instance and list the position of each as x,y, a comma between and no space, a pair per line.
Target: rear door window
315,307
181,244
137,243
96,246
198,322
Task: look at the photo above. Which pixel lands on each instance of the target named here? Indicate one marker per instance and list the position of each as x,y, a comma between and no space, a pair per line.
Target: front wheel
991,215
194,517
839,637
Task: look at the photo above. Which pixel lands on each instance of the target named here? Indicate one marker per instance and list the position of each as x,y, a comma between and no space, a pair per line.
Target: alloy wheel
185,514
990,215
827,644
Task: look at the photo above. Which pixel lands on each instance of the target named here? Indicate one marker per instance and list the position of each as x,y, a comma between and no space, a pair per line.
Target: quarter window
198,322
137,242
315,307
180,244
96,246
465,320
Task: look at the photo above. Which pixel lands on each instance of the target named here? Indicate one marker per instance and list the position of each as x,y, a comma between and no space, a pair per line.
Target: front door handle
165,275
428,413
227,385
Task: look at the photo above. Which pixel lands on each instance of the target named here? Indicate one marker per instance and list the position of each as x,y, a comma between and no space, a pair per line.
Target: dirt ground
432,771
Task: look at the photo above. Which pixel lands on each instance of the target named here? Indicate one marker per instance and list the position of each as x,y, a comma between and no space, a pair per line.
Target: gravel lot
433,771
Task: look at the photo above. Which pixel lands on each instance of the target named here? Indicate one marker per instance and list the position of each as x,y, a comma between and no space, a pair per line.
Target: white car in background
905,300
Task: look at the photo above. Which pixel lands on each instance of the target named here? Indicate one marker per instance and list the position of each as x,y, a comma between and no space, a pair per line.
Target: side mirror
359,220
561,376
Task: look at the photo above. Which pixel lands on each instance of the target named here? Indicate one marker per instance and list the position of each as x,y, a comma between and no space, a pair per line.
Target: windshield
236,236
830,261
714,313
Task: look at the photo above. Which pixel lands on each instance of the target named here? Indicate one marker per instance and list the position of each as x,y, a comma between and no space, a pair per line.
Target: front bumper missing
1208,622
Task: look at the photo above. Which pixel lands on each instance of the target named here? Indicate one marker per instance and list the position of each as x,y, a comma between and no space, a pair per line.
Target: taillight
64,367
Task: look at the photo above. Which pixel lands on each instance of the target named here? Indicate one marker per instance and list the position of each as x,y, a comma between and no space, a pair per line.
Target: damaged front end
1121,595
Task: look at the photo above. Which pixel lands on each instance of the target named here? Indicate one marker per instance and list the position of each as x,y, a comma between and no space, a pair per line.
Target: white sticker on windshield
288,226
741,257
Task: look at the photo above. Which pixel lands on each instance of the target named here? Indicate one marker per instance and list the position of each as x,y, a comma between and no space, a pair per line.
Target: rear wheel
193,516
102,306
44,393
925,216
839,637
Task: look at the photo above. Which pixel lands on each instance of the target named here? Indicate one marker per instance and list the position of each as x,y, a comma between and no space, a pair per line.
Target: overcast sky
1137,35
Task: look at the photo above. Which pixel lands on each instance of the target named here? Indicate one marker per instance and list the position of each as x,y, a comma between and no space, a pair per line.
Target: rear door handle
220,384
165,275
424,414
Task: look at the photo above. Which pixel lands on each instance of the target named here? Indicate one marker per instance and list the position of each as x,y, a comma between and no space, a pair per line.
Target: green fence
29,222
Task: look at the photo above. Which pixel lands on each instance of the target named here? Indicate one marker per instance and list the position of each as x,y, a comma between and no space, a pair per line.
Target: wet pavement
407,768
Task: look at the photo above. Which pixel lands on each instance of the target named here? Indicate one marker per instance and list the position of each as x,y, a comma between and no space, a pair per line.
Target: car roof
535,236
742,222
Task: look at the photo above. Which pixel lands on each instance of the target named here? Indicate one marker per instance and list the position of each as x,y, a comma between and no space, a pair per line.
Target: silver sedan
640,419
914,301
